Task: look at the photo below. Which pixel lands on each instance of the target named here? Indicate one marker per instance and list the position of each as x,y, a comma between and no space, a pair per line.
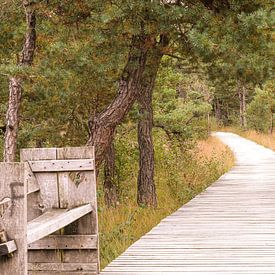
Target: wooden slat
62,267
30,179
7,248
62,165
54,220
66,242
227,229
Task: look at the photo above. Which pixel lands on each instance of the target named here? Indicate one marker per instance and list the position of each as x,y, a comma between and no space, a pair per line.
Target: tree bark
110,188
103,125
15,87
271,124
208,124
218,112
12,119
146,191
242,100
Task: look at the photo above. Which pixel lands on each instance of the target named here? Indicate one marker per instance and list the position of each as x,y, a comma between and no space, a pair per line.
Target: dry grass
212,146
267,140
263,139
179,177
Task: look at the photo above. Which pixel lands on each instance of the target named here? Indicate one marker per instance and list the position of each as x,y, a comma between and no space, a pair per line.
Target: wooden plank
13,218
75,188
78,188
62,267
7,248
30,179
62,165
47,198
83,152
53,220
66,242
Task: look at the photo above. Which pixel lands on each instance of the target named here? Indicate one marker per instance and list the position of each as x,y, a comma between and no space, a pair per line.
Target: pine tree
15,85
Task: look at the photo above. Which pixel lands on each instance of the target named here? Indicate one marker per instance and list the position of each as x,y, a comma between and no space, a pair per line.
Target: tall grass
181,173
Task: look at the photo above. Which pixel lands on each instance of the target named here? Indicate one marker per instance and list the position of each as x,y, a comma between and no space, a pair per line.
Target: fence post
13,219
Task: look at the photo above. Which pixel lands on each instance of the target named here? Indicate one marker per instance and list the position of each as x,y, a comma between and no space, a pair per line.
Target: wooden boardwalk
227,229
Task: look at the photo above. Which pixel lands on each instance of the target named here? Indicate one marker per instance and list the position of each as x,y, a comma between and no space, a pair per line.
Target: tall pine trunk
15,87
110,188
242,101
146,189
102,127
218,112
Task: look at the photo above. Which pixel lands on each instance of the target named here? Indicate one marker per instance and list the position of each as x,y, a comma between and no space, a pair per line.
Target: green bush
260,110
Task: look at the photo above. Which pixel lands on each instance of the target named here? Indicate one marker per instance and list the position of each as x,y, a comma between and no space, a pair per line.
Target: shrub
260,110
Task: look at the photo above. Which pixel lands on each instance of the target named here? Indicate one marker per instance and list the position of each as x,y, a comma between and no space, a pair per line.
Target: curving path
227,229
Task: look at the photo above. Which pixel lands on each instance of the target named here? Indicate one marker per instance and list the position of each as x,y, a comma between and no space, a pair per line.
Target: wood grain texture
76,188
7,248
13,217
67,182
66,242
32,183
59,267
62,165
227,229
47,198
53,220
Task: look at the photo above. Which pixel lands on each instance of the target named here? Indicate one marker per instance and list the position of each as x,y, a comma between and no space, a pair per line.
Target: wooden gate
49,213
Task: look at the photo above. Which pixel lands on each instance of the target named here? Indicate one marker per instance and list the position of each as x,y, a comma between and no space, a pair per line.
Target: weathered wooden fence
48,213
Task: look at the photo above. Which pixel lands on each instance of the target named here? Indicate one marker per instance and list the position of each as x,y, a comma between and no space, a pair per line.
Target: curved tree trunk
12,119
146,191
15,87
102,127
110,189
